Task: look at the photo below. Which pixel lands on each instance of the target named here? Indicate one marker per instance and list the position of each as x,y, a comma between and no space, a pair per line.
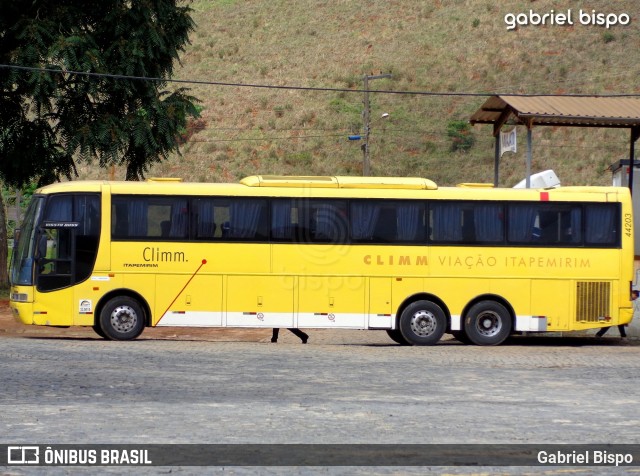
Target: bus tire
461,336
396,336
422,323
487,323
122,318
98,330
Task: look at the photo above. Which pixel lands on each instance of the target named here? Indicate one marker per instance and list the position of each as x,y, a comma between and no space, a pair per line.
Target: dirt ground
11,327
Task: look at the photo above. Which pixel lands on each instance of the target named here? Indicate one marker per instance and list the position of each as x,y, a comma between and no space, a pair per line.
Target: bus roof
407,183
341,187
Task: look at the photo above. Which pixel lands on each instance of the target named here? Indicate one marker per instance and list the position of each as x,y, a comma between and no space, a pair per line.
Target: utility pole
366,119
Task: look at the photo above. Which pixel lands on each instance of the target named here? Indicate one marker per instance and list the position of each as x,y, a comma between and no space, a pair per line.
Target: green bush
462,138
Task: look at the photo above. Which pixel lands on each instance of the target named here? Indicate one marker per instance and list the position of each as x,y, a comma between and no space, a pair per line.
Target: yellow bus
395,254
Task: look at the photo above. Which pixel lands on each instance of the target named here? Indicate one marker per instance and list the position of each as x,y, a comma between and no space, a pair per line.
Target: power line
483,141
305,88
294,88
253,139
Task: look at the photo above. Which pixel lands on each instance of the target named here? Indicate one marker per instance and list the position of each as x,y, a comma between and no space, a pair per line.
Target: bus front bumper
21,302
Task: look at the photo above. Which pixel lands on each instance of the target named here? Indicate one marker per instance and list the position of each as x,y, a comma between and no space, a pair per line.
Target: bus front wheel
487,323
396,336
98,330
122,318
422,323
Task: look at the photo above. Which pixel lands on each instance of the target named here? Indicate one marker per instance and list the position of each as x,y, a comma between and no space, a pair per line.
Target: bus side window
411,223
129,217
560,224
328,221
488,222
468,226
165,228
388,221
600,226
365,221
523,223
247,219
119,220
571,225
386,230
203,219
179,218
548,226
447,222
283,220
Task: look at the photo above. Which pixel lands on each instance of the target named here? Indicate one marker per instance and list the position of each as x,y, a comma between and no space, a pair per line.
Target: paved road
343,387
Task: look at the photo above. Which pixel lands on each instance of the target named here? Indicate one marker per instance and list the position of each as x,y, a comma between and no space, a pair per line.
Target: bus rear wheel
461,336
422,323
396,336
487,323
122,318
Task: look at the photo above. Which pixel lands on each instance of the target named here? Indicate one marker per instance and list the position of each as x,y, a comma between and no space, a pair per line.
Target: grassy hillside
448,46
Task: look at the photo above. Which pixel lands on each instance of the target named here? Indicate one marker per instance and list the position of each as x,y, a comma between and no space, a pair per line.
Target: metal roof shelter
548,110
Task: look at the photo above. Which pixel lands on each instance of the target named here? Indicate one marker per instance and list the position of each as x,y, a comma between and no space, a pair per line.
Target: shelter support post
497,126
496,165
635,134
529,152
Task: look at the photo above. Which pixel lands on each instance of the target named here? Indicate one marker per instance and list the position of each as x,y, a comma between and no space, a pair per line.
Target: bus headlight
19,297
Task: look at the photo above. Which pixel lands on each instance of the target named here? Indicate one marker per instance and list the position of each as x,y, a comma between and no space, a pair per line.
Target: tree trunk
4,246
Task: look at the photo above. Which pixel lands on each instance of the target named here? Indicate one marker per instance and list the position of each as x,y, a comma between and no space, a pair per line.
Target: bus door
67,245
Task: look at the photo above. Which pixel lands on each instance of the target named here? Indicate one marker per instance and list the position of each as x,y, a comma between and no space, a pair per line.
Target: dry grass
440,45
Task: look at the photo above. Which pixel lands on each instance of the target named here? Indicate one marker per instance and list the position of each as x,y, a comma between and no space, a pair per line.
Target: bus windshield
24,245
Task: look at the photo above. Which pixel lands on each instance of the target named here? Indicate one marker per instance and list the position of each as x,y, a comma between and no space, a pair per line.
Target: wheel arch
495,298
123,292
426,297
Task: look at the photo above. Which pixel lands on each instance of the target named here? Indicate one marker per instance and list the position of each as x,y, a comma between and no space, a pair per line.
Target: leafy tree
52,118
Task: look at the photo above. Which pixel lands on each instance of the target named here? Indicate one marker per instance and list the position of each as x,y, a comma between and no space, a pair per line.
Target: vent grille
593,300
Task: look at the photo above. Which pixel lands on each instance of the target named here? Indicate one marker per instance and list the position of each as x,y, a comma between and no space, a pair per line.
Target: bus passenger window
388,221
247,219
283,220
523,222
447,222
366,222
203,218
386,230
488,222
548,224
600,226
410,221
328,221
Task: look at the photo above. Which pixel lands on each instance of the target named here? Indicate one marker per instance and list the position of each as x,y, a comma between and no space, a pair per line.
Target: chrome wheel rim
123,319
489,323
423,323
